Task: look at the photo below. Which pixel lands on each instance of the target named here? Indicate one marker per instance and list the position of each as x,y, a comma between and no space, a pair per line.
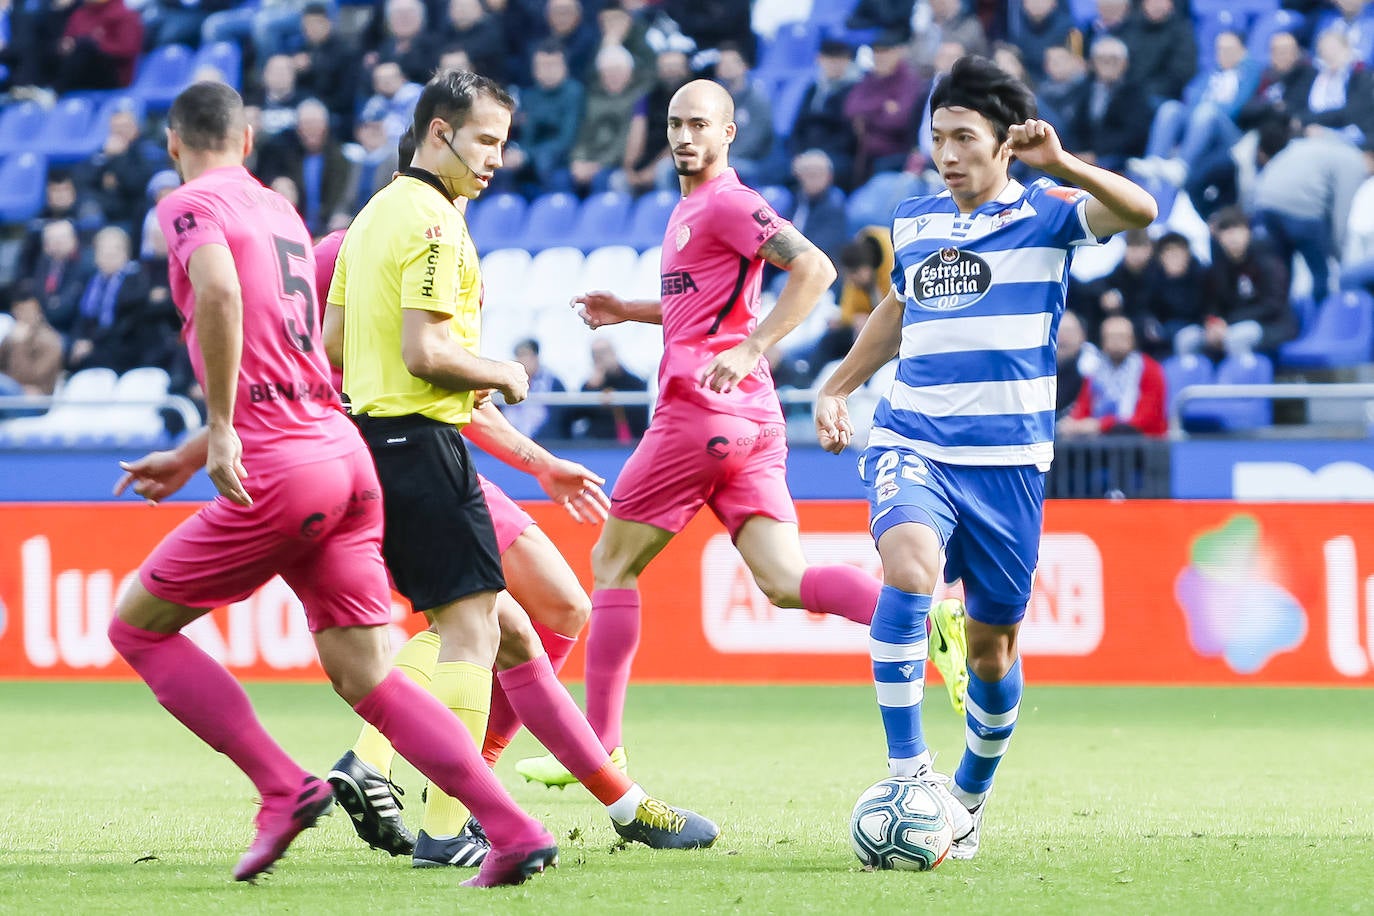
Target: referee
406,300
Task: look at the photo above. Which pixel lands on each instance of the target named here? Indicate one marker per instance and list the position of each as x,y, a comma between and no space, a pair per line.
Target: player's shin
898,646
845,591
990,717
416,660
504,722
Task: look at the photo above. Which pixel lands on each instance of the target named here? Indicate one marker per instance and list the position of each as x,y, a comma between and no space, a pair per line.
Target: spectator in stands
713,23
373,151
881,14
882,109
1043,24
58,277
1163,50
1113,16
119,173
821,122
276,99
325,64
547,118
1063,91
648,160
1183,133
753,143
1227,177
1124,394
1173,292
538,421
179,22
1357,266
31,51
618,26
1302,198
408,43
1075,359
947,20
1110,122
159,186
391,90
1284,84
62,199
99,46
470,27
577,35
107,331
1355,20
865,274
1245,297
30,354
617,423
819,213
1121,292
605,125
1342,93
314,161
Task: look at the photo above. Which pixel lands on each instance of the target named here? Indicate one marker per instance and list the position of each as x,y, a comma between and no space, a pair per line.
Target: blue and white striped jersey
984,293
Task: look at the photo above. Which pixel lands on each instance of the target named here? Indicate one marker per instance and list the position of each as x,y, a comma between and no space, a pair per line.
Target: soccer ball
900,823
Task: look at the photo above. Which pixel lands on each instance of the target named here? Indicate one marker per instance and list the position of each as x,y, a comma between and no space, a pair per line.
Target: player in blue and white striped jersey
960,445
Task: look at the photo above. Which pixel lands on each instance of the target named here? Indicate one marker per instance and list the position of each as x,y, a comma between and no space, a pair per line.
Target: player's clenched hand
1036,144
599,308
517,384
224,464
155,476
482,397
575,488
725,371
833,428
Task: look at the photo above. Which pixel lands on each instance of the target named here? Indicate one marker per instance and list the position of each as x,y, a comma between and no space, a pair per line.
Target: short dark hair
978,84
1229,218
861,252
405,148
450,94
1172,239
551,46
529,343
205,114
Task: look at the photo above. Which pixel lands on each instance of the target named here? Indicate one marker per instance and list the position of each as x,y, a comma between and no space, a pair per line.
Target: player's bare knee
354,681
991,652
519,642
611,568
782,587
913,577
570,615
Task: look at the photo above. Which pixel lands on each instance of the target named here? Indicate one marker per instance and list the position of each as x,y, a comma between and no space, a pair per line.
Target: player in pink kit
717,438
298,496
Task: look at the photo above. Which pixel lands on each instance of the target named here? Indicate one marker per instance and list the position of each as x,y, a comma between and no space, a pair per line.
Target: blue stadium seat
787,92
604,219
19,125
1236,415
872,204
1209,27
224,56
831,14
1203,8
1341,335
111,102
1264,27
779,198
792,50
162,74
23,179
551,222
498,222
1083,11
71,132
1182,371
650,219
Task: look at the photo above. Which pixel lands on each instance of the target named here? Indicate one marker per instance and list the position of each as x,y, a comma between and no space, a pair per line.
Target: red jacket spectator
112,30
1125,393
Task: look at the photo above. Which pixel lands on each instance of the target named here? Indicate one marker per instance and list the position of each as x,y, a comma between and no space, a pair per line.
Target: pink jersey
326,255
710,293
286,412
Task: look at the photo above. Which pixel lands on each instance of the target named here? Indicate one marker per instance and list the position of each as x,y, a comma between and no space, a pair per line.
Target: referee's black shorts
439,542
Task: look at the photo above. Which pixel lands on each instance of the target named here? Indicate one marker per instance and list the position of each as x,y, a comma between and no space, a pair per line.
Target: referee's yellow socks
465,688
416,660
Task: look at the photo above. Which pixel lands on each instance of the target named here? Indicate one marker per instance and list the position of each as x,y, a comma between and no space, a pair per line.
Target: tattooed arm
809,274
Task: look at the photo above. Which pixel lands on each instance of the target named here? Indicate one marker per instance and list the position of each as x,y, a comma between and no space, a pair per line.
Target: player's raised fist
599,308
1035,143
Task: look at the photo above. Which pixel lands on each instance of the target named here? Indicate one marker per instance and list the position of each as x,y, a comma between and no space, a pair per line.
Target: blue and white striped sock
990,717
897,644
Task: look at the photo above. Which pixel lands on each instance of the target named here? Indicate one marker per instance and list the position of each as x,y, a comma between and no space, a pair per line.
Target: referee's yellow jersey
409,248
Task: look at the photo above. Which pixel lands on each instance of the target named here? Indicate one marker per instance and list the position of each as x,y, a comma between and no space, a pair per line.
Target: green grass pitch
1111,801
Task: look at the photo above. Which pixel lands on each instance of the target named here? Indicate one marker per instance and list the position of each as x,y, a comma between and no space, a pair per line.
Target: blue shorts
988,520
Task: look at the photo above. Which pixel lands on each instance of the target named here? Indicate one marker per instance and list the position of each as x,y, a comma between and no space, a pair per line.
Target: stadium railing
1277,391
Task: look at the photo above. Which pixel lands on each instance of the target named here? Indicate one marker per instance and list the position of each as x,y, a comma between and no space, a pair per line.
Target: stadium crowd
1256,118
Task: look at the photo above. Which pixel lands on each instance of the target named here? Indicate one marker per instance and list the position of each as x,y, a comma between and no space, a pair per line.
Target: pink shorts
318,526
692,457
507,517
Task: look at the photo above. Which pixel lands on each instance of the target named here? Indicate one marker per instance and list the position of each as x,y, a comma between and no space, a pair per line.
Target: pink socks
611,643
846,591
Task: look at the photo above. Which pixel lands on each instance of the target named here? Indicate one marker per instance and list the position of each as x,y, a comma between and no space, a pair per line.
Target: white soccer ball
900,823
